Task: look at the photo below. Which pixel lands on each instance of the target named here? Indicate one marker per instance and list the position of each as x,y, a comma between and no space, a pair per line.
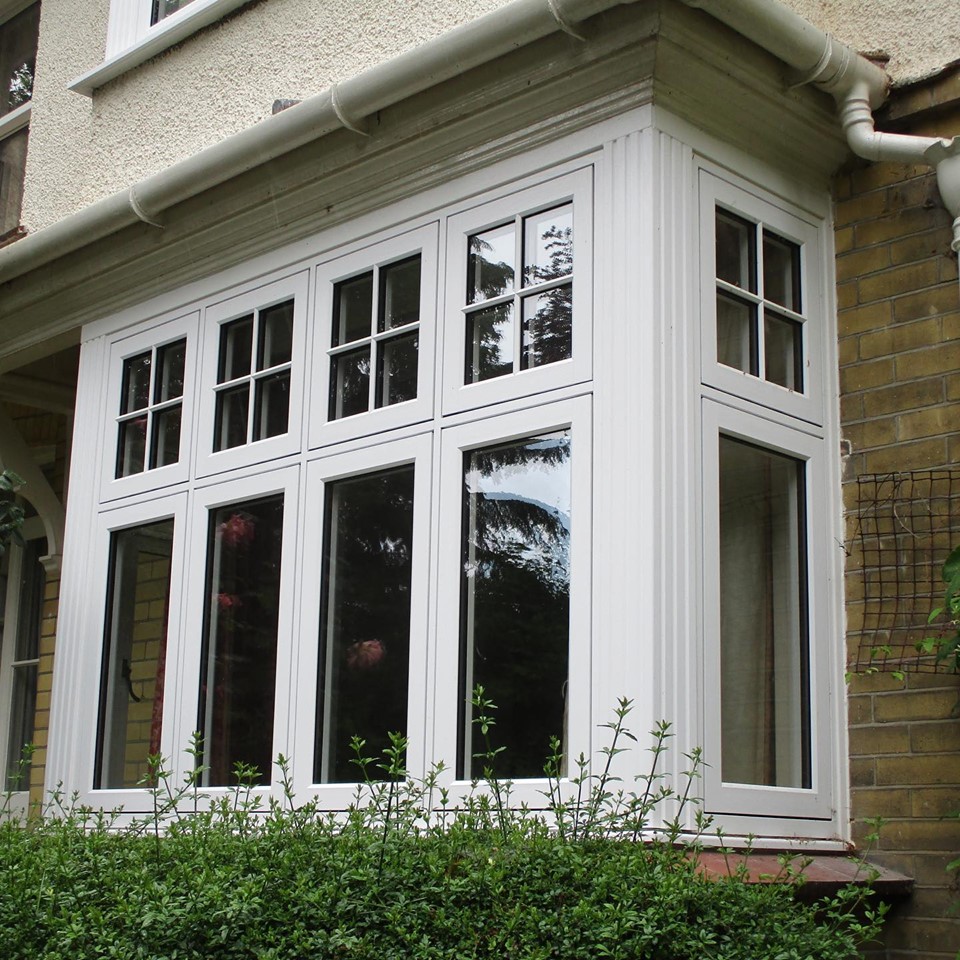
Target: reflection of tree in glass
517,567
487,278
244,592
21,85
548,318
366,617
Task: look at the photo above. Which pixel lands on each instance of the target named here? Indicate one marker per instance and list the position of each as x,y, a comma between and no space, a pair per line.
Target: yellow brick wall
899,325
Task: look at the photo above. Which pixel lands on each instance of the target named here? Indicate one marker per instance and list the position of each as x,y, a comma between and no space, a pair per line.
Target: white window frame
344,266
418,451
113,487
172,740
783,219
265,294
283,481
132,39
780,437
574,414
492,210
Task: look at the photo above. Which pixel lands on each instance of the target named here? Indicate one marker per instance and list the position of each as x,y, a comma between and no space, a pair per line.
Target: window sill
823,873
160,37
15,120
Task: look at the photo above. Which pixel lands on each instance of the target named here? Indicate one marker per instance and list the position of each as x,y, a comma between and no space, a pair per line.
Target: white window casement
519,280
19,27
150,390
22,580
769,575
252,377
387,492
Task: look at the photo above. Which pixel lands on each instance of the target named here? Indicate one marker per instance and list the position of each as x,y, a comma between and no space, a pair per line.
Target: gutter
858,85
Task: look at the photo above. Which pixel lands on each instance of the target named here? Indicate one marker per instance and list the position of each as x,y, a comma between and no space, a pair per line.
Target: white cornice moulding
161,36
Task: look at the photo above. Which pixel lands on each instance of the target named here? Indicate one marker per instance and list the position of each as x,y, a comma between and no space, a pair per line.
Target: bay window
345,485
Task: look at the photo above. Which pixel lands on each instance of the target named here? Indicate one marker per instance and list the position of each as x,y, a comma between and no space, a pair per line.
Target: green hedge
399,875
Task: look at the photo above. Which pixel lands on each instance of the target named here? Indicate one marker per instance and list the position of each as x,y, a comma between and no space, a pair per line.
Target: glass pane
491,260
764,697
136,383
489,343
239,658
783,344
132,446
399,294
547,334
165,447
170,364
134,654
736,251
18,55
13,163
22,711
352,309
236,340
30,601
230,427
781,271
515,598
548,245
276,335
272,400
365,625
737,334
397,373
349,383
163,8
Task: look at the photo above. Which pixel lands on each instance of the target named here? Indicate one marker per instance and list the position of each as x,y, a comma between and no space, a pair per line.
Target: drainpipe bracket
139,212
357,125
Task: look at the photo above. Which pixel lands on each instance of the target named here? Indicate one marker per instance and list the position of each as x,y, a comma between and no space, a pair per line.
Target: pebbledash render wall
228,75
899,324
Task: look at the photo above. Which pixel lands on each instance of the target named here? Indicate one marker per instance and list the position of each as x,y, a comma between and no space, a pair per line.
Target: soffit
632,55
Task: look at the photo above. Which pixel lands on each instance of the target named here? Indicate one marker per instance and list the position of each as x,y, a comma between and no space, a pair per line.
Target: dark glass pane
399,294
353,309
547,334
349,383
397,373
515,598
764,696
784,351
18,55
237,689
236,342
781,271
736,251
276,335
134,654
163,8
165,445
136,383
491,262
170,364
23,708
230,427
30,602
365,624
132,446
489,343
737,334
548,245
272,403
13,164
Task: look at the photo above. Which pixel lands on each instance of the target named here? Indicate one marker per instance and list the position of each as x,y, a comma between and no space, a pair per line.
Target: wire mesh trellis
900,532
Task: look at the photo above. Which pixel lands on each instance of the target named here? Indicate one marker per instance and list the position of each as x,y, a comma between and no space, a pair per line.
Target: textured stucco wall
225,78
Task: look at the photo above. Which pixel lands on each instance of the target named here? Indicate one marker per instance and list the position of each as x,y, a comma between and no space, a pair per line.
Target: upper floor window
163,8
18,56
